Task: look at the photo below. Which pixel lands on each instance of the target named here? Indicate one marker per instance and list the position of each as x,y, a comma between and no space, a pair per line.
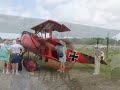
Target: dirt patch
49,79
77,80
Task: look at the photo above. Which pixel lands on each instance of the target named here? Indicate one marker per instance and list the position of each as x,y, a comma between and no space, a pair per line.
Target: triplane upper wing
45,47
50,25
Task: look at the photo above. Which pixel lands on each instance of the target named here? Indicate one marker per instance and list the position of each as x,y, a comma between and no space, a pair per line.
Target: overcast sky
102,13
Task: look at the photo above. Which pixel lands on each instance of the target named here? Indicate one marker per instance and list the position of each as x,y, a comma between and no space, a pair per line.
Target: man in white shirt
16,50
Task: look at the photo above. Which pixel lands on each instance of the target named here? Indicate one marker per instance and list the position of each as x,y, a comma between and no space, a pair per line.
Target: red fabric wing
79,57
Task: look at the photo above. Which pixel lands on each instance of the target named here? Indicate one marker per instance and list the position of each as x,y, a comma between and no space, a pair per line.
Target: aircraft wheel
29,60
30,65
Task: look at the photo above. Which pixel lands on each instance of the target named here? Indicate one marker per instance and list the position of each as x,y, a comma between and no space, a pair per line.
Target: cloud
102,13
107,14
4,3
42,12
64,10
6,8
17,11
47,3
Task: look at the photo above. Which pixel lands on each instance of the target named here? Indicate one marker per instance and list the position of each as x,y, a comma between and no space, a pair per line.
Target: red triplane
45,47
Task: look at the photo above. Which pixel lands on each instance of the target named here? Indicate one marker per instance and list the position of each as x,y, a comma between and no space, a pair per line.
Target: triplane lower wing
45,47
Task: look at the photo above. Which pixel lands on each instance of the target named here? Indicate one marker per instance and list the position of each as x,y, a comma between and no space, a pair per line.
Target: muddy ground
46,79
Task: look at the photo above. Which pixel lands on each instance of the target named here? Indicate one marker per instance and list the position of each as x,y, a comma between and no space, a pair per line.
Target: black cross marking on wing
73,56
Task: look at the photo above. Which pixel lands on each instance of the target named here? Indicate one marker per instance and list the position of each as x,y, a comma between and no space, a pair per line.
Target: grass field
82,74
112,70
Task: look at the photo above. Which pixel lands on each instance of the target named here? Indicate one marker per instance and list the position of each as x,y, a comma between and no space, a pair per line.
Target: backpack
59,49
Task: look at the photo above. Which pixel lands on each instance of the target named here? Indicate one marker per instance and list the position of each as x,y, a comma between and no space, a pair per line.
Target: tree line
93,41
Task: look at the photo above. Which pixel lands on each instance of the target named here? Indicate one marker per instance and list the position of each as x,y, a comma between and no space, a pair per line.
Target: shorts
15,58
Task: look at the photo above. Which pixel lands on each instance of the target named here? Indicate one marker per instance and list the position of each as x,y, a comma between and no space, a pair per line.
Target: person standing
99,55
16,50
61,52
4,56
